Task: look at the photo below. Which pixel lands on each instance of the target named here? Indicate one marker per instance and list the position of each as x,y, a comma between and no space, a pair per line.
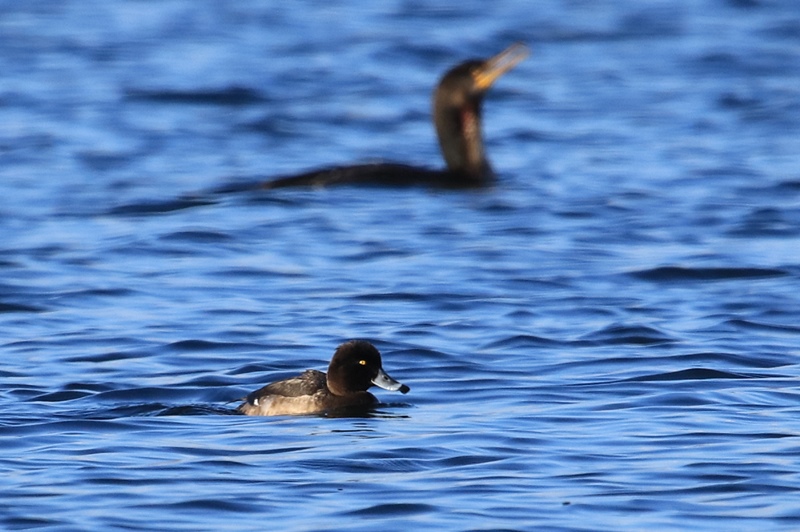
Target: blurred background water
608,338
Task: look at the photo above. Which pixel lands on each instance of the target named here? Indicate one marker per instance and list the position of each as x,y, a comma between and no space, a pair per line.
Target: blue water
608,338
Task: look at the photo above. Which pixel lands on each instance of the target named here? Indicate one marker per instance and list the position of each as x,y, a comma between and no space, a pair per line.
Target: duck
354,368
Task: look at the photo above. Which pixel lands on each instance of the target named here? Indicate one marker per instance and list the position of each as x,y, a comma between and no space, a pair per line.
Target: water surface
605,339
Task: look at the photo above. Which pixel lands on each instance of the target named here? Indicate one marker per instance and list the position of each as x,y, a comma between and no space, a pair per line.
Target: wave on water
674,274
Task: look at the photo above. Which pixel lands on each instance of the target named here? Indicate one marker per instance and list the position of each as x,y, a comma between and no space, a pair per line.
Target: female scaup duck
355,367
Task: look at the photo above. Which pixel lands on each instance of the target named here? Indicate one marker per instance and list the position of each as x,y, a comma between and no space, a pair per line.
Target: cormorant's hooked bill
498,65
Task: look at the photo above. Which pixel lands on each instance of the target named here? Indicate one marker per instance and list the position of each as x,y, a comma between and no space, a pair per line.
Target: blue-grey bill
384,381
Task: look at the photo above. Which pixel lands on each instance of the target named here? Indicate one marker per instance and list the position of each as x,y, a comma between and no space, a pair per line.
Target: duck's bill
382,380
498,65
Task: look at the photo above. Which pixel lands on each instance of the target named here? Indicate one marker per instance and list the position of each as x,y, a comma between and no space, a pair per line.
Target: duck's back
309,382
295,395
306,393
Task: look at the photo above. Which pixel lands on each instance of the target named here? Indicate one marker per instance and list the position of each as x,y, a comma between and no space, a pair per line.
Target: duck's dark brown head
355,367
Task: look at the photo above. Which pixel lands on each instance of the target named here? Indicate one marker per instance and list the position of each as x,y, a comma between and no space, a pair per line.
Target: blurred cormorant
457,117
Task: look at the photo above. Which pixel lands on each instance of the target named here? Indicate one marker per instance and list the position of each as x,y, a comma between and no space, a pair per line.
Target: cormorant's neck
458,126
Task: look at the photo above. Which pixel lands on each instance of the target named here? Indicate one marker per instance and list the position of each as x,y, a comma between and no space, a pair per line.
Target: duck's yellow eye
362,362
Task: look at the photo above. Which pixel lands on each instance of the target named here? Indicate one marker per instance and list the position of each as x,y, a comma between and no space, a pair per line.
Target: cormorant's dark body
375,174
457,117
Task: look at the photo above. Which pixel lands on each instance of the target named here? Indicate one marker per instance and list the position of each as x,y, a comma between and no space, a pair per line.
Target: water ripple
671,274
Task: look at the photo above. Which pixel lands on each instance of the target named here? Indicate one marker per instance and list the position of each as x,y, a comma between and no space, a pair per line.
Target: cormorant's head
472,79
457,110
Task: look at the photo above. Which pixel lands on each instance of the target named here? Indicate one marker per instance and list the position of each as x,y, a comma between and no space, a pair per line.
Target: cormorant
457,117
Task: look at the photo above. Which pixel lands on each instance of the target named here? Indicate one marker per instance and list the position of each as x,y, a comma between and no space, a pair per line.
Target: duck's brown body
307,393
